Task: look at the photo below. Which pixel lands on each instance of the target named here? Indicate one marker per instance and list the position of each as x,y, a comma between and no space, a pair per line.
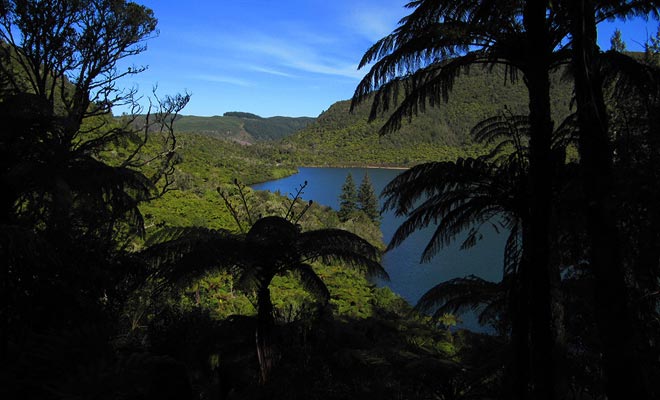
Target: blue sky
291,58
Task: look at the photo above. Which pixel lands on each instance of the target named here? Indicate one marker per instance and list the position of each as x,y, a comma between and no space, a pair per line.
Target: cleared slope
243,127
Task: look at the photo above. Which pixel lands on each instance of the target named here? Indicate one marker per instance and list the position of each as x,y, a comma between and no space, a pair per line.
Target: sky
289,58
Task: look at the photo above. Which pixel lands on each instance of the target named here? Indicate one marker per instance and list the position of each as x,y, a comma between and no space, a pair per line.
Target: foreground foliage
418,65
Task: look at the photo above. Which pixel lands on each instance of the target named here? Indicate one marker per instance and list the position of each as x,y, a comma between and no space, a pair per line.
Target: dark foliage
67,217
347,199
367,202
418,65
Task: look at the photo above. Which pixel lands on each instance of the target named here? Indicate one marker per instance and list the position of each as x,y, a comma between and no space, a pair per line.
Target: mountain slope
242,127
339,137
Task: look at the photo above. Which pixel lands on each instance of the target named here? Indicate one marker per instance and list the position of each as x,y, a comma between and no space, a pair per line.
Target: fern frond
513,249
459,295
177,255
331,245
629,75
428,85
312,282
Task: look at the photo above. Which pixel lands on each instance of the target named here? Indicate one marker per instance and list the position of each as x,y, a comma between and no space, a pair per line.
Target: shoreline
331,166
354,166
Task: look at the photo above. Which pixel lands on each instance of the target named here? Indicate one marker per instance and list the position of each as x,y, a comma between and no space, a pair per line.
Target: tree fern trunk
517,375
543,327
263,335
615,325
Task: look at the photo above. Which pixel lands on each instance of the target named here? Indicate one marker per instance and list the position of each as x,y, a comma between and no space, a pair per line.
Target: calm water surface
409,278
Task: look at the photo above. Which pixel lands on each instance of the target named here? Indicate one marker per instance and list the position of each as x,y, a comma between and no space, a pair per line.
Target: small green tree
367,200
652,49
616,42
347,199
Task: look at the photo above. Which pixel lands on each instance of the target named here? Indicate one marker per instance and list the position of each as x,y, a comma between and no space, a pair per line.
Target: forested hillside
242,127
206,163
341,137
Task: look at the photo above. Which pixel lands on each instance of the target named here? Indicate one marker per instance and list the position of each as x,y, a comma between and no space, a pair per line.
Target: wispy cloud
348,70
300,55
269,71
374,21
224,79
283,54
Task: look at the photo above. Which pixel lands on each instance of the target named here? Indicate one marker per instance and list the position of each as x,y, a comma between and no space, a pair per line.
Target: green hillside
206,163
339,137
242,127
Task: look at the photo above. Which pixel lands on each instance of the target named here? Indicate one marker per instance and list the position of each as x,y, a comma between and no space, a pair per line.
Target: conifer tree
347,199
366,198
616,42
652,49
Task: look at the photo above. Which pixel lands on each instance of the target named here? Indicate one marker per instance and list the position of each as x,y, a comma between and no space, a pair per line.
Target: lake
408,277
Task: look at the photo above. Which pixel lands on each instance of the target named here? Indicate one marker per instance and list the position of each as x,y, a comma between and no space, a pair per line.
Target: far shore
354,166
330,166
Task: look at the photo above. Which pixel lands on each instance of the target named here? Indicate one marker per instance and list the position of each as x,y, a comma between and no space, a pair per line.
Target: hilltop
242,127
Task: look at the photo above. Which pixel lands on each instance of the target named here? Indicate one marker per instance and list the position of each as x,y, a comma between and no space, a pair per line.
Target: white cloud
348,70
269,71
224,79
300,55
288,50
374,21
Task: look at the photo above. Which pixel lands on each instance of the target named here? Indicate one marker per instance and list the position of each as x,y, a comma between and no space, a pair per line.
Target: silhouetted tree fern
273,246
416,66
623,375
467,195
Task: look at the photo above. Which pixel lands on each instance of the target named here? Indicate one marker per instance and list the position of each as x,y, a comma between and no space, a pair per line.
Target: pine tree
366,198
616,42
652,49
347,199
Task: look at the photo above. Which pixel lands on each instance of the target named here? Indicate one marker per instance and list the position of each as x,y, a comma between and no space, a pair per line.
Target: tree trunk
615,324
517,371
263,334
545,349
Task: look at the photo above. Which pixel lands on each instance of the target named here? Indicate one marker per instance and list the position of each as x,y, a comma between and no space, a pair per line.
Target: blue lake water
408,277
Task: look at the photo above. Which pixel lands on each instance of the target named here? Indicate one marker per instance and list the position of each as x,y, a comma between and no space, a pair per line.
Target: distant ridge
240,114
241,127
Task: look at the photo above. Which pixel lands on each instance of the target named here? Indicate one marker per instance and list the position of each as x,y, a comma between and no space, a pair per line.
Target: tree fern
273,246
